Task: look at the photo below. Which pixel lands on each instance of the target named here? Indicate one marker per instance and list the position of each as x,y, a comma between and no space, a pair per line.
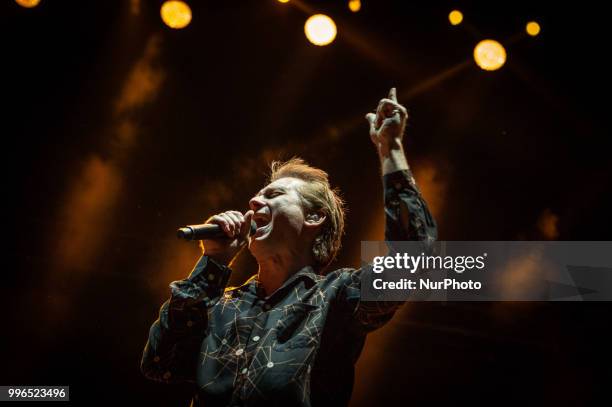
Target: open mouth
262,221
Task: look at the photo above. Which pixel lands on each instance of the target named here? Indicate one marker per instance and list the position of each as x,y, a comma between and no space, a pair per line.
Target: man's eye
273,194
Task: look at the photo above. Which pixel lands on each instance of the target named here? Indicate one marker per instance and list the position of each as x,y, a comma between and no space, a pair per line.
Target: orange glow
354,5
174,262
455,17
532,28
135,7
548,225
520,275
432,186
176,14
89,206
489,55
143,81
320,29
92,198
28,3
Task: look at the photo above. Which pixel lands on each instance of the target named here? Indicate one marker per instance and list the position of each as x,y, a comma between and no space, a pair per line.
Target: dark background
117,129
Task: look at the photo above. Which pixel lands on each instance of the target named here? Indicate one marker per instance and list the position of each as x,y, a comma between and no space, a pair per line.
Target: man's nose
256,203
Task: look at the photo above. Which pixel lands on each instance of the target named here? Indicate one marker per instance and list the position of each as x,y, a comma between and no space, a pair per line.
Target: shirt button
255,338
224,341
211,276
270,364
239,352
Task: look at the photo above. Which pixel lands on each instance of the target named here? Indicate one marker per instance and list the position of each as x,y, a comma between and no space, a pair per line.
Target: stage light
490,55
176,14
320,29
532,28
354,5
283,1
27,3
455,17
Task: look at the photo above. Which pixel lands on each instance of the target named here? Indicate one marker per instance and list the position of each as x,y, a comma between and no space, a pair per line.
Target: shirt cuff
399,180
207,280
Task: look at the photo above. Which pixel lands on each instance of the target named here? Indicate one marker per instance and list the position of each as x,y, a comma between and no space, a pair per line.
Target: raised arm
407,216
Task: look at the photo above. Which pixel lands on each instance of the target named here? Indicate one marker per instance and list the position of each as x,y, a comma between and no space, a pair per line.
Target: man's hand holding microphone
222,242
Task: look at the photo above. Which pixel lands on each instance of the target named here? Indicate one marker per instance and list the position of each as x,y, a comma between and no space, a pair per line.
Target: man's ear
315,218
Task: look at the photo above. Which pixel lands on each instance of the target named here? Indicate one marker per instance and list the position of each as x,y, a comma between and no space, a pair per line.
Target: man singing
291,334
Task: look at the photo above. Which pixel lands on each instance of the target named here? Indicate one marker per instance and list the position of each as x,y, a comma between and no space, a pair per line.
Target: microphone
207,231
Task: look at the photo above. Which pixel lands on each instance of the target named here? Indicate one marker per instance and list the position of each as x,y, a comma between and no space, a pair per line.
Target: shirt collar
307,273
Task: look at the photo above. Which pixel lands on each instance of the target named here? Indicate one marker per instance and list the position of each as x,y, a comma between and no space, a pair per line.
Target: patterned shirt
295,347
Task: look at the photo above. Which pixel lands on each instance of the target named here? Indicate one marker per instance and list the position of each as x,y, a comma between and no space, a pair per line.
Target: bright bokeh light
28,3
283,1
354,5
320,29
455,17
532,28
490,55
176,14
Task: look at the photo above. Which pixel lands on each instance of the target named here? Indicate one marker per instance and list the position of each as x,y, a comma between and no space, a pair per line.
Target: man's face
279,216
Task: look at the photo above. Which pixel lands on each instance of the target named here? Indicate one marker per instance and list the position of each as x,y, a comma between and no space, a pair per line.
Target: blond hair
317,195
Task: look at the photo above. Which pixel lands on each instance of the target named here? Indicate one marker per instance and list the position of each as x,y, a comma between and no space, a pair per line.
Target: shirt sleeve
407,217
170,354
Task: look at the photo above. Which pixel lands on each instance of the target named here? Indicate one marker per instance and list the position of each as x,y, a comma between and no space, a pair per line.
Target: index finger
393,94
245,230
